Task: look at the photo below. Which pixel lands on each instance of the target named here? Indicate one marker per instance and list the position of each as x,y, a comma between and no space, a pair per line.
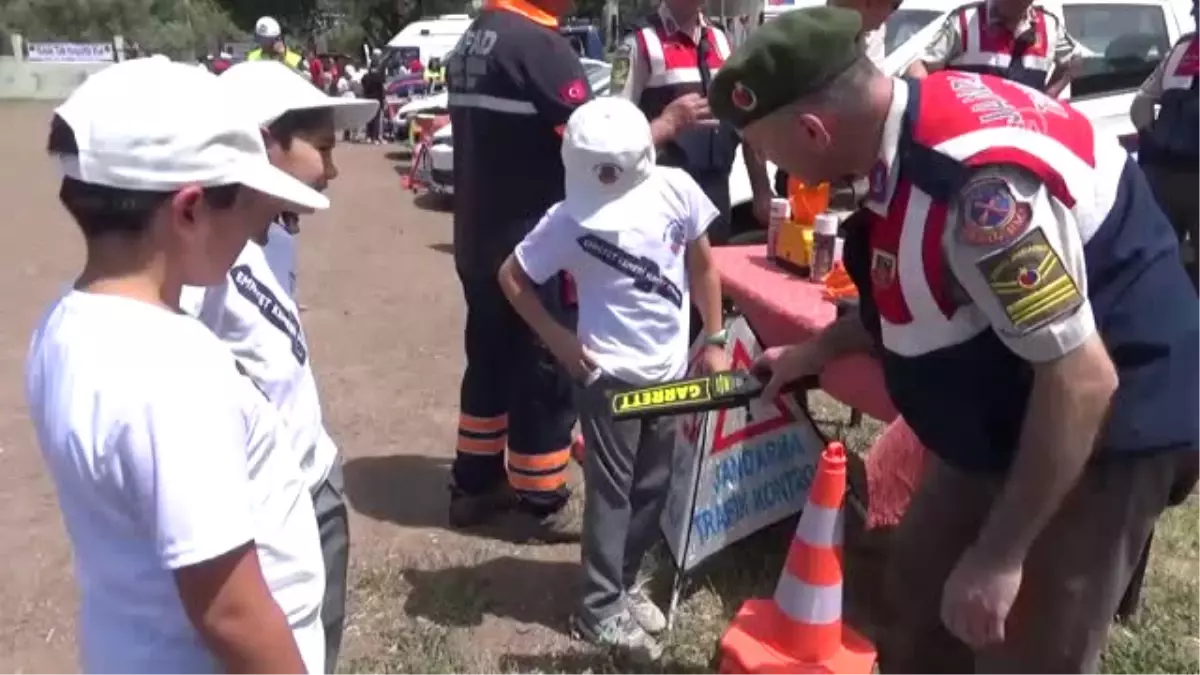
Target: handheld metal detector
728,389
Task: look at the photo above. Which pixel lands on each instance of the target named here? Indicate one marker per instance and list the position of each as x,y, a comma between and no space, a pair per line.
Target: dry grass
1162,639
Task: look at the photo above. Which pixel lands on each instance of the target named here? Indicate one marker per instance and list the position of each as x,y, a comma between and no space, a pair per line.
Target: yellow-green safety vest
290,57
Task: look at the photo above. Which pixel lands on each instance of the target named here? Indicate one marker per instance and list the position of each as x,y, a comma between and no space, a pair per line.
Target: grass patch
1163,638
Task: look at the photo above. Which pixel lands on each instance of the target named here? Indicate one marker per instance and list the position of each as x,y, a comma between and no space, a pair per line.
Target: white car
437,164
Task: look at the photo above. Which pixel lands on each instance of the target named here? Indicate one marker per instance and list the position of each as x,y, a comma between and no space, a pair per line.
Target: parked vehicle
428,38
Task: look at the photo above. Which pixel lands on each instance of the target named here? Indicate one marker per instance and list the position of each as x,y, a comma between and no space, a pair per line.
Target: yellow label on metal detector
681,394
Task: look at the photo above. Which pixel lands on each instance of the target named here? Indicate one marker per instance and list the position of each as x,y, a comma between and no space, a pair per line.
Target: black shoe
467,510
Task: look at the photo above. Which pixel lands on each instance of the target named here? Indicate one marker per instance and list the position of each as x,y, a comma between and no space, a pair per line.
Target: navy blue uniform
513,81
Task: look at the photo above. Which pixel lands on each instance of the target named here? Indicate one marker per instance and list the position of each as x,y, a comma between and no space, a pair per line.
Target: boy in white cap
633,236
195,544
253,311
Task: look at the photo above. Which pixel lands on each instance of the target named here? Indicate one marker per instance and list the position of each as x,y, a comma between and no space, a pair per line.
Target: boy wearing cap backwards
632,235
195,544
252,310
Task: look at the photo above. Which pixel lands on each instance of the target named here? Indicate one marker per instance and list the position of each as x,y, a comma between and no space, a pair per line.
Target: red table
785,309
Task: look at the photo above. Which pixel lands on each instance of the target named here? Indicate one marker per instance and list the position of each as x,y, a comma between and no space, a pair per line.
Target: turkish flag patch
574,92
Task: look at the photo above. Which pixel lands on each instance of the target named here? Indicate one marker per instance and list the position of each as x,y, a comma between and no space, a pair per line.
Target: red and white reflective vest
673,61
955,382
989,47
673,58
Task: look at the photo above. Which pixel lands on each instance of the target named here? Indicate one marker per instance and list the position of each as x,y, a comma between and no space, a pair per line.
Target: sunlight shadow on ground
524,590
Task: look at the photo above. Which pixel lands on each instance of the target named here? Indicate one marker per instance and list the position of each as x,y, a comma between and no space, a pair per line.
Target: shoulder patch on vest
1030,282
991,214
621,64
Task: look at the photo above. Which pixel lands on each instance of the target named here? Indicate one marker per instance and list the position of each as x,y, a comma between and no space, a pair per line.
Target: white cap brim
348,113
265,178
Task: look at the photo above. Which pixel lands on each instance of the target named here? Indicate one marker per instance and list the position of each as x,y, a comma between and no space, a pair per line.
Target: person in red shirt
316,69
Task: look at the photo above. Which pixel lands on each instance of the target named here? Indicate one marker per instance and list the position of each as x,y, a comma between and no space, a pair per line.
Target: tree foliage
177,28
184,28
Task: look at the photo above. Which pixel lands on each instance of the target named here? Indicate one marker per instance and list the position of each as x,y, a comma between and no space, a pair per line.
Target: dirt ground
384,318
384,321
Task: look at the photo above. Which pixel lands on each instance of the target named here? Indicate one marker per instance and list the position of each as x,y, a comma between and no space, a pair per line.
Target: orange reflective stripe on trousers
546,472
484,436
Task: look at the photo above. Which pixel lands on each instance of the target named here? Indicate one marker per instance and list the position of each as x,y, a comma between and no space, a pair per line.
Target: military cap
786,59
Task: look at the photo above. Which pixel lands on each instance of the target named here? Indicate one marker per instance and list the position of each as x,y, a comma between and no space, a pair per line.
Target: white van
427,38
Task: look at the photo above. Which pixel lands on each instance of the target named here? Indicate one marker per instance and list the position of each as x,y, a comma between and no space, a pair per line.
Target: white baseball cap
608,155
267,28
268,89
155,125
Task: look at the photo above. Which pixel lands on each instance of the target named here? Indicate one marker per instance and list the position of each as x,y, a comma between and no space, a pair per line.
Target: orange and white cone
800,630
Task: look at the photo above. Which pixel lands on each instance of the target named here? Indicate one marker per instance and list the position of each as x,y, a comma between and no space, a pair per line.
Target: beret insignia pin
743,97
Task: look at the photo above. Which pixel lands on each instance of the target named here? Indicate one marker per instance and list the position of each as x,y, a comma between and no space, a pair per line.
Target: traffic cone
800,630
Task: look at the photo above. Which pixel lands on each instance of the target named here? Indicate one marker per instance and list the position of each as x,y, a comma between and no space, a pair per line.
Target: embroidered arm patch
1031,283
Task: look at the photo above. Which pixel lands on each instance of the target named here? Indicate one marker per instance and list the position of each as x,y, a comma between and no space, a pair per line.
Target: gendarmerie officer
1169,142
1021,287
665,67
513,81
1013,39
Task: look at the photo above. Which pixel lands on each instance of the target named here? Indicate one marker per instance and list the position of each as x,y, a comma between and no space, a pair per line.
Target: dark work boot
561,526
467,510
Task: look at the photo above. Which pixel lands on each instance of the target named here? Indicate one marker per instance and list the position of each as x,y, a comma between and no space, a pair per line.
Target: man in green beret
1035,332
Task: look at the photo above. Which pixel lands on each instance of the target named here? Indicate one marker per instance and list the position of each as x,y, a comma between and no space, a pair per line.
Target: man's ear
814,127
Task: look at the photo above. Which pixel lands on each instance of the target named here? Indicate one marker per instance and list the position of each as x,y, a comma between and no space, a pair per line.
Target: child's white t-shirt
259,321
631,277
281,256
164,456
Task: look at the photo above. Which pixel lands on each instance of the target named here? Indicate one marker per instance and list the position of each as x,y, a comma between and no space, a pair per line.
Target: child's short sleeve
544,252
700,211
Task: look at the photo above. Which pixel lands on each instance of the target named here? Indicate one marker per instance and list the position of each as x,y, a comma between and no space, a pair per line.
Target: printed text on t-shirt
272,310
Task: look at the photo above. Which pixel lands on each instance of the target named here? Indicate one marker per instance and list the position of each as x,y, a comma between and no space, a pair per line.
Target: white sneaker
620,633
644,611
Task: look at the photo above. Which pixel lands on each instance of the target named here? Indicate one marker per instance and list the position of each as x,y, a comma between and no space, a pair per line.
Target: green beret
785,59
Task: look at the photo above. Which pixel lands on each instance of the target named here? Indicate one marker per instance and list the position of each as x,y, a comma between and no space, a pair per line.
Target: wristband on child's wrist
718,339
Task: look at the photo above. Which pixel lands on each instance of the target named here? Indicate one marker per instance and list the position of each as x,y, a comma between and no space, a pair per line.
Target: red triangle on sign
724,438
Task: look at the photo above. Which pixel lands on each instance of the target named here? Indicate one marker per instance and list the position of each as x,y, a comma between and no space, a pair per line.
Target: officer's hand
688,111
978,596
783,365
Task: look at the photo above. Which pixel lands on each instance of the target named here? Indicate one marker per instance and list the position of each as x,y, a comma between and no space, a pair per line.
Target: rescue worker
512,83
665,67
269,37
1014,39
1169,145
1014,275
